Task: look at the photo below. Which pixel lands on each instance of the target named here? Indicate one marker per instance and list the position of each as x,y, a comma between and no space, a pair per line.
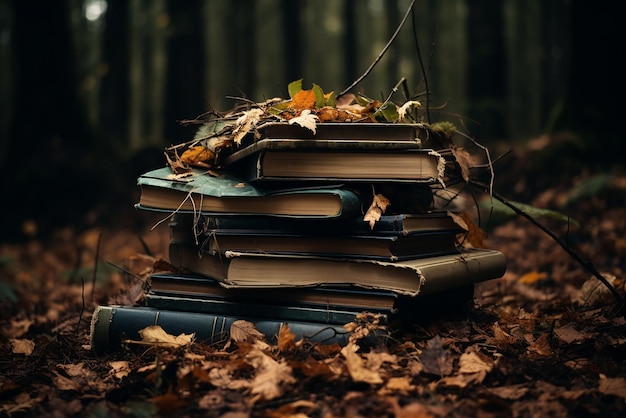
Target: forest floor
547,339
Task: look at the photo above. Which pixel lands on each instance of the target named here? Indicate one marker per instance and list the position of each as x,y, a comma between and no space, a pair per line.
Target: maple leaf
270,375
307,120
376,209
356,366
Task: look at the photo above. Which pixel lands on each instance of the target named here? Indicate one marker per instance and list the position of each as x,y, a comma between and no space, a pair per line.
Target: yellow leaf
198,155
533,277
376,209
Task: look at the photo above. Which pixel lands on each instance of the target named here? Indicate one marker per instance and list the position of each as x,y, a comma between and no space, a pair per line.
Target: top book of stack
363,152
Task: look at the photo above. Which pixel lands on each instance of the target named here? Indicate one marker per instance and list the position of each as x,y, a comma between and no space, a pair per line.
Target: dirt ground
547,339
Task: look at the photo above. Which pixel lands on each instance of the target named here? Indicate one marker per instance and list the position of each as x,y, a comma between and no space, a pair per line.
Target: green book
206,193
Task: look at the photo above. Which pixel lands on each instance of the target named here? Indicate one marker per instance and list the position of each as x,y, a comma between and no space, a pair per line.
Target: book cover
113,326
379,247
249,309
300,160
346,298
205,193
412,277
185,227
343,134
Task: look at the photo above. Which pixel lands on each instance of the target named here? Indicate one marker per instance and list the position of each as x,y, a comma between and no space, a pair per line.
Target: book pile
315,230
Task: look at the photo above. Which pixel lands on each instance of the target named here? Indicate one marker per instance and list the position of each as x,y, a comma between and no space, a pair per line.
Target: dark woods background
92,90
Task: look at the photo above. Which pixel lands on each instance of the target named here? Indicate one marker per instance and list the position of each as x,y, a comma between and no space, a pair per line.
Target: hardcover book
307,160
412,277
345,298
205,193
112,327
185,227
380,247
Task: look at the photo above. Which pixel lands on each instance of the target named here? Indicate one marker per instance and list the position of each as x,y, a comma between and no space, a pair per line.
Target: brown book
346,297
407,277
224,194
382,247
299,160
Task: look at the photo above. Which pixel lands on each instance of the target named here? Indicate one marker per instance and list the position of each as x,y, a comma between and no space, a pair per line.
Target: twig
419,58
586,264
95,266
380,56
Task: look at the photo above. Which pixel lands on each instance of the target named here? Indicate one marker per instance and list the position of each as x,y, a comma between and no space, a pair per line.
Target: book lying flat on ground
205,193
346,298
182,224
284,312
408,277
381,247
113,327
294,159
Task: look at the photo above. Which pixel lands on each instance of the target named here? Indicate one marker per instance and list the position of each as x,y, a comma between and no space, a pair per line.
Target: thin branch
379,57
586,264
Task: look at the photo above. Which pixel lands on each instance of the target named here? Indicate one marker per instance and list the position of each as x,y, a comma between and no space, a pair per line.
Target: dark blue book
186,226
114,327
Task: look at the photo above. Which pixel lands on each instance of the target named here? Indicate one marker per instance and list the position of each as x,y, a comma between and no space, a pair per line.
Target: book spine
246,309
111,326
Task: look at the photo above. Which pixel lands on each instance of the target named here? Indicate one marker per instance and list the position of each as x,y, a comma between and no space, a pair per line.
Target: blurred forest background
93,90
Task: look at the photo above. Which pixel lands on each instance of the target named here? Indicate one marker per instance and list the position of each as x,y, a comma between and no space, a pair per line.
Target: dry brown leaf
154,334
119,369
540,347
270,375
465,161
376,209
473,362
613,386
437,359
22,346
286,339
356,366
243,330
474,237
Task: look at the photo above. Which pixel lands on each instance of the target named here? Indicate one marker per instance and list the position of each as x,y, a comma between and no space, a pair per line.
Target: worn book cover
309,160
186,227
223,194
344,298
412,277
114,327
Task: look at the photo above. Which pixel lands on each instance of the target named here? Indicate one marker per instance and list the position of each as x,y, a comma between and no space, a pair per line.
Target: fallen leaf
472,362
405,107
154,334
307,120
119,369
22,346
356,366
533,277
270,375
613,386
436,359
286,339
245,123
242,330
464,160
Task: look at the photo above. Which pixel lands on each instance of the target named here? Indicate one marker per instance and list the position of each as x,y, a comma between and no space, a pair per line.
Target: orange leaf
533,277
197,155
304,99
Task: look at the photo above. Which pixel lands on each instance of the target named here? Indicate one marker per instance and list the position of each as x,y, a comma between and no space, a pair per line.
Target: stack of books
291,230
